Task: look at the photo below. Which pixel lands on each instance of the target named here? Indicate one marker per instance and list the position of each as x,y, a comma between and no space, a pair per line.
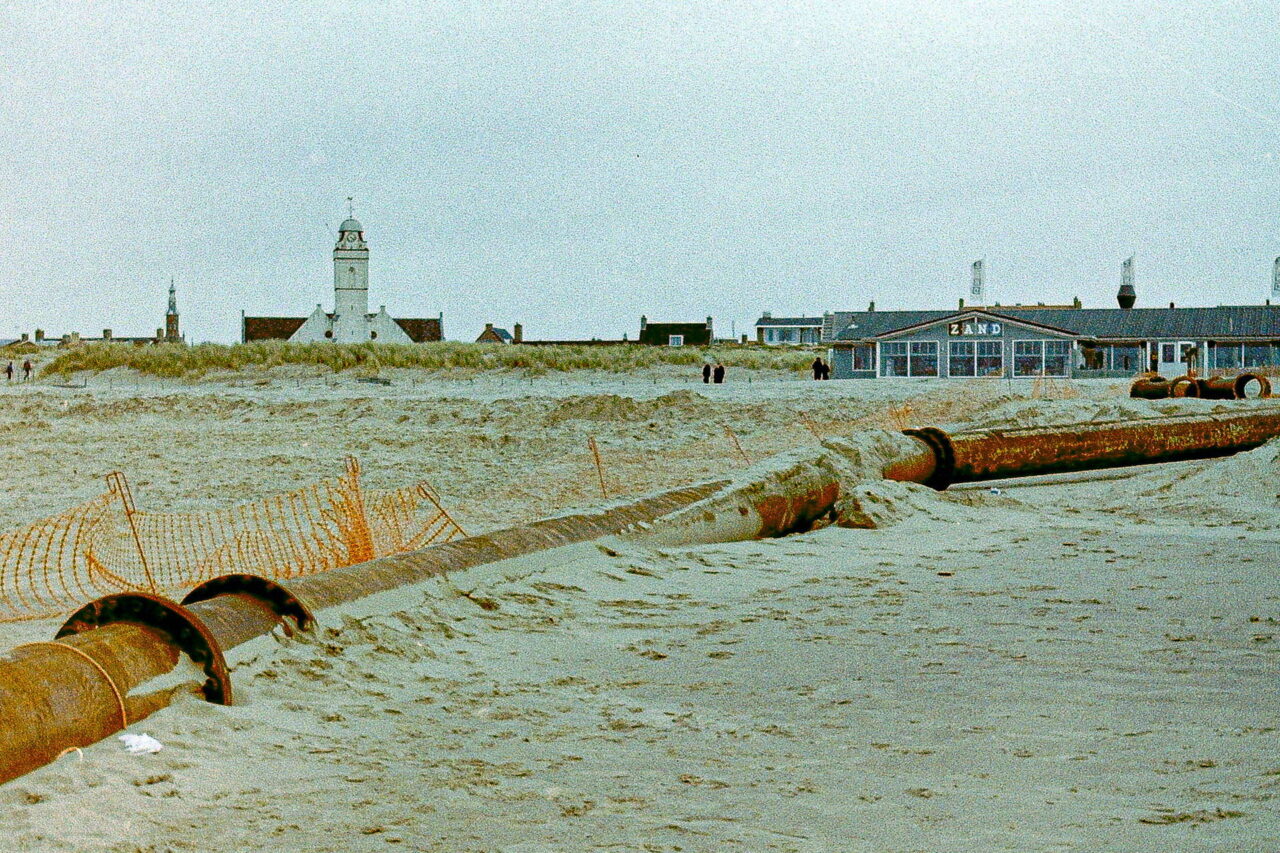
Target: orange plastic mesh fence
107,545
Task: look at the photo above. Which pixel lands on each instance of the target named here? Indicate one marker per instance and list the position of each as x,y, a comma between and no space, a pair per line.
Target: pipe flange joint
184,628
944,455
282,601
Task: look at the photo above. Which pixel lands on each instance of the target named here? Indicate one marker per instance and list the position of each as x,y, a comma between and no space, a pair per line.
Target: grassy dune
176,360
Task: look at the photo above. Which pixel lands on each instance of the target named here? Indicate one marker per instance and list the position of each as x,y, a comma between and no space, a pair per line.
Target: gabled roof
1221,322
422,329
789,321
978,314
271,328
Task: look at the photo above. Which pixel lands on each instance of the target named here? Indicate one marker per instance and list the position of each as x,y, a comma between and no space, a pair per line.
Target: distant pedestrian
826,370
26,370
717,374
8,372
817,368
706,373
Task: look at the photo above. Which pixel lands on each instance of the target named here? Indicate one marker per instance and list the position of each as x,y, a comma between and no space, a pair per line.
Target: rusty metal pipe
76,691
1150,388
1217,388
1244,380
990,454
1184,386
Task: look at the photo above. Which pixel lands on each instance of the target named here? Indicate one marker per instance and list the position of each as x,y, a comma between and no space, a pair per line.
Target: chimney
517,334
1076,303
644,322
766,315
708,322
1126,295
39,335
871,307
1170,304
961,303
24,337
106,334
488,327
744,338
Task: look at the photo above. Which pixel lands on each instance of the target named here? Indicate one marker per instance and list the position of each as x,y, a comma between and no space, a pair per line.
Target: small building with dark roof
773,331
675,334
492,335
1021,341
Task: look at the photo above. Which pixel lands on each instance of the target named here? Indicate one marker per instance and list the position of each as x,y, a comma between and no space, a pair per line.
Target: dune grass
178,361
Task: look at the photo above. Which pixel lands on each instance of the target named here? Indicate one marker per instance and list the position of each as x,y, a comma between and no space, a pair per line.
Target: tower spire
351,211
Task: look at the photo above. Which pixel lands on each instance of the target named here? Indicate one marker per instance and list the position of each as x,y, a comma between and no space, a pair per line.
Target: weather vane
350,210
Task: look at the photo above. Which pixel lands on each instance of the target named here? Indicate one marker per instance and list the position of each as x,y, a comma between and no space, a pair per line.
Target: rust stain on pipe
1077,447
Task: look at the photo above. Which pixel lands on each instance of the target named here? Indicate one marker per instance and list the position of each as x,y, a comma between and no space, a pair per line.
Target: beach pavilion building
1058,341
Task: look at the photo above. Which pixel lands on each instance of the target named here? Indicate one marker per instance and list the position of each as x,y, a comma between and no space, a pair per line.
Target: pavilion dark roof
1221,322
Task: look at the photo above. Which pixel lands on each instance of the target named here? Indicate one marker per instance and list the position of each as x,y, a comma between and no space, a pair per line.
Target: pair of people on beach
821,370
713,374
26,371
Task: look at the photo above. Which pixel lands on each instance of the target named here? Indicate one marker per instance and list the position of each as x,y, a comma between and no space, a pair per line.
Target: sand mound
1033,413
1240,487
614,407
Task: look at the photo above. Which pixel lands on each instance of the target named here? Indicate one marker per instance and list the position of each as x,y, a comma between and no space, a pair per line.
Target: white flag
977,289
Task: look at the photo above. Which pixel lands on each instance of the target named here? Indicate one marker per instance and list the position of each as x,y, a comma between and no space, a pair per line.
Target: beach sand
1085,666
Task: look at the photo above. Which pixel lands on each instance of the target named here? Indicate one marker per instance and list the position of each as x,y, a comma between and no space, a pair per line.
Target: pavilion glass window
893,359
1028,358
1257,355
990,358
1057,358
962,359
1226,356
924,358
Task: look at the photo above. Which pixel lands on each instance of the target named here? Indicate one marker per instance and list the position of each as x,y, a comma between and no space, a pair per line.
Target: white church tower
351,322
351,284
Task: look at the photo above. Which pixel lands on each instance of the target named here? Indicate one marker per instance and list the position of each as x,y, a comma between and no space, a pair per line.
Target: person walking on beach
717,375
817,368
706,373
8,372
26,370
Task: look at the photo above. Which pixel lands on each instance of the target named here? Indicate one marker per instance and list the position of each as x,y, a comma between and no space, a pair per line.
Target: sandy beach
1071,666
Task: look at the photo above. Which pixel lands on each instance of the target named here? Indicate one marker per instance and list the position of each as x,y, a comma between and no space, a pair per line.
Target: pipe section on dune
990,454
1211,388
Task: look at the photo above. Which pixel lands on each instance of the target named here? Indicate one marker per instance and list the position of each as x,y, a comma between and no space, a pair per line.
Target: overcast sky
572,165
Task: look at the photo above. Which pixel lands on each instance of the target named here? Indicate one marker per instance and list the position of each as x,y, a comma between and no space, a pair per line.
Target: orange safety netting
107,545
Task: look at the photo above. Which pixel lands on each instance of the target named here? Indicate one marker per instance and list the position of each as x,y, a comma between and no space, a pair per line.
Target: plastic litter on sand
140,744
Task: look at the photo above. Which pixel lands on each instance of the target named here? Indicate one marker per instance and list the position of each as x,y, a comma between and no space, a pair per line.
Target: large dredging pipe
77,689
943,459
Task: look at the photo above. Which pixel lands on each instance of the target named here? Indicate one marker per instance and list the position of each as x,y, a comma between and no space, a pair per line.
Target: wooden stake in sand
738,444
595,453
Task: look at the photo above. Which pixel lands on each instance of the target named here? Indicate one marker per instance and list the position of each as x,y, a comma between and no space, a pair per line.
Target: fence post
595,452
118,484
734,436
